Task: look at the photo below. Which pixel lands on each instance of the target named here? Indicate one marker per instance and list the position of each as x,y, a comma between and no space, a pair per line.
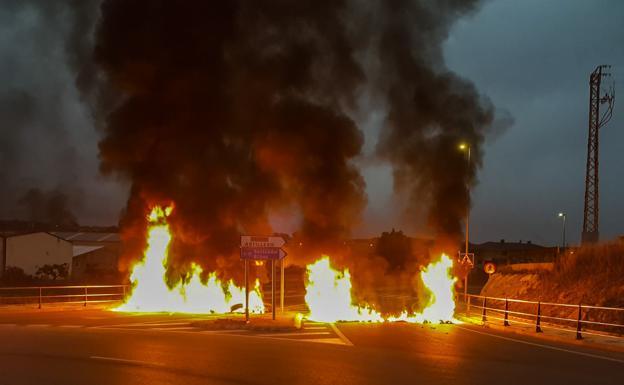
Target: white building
31,251
90,261
94,253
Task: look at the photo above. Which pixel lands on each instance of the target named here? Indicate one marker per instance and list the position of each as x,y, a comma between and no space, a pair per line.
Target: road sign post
467,260
246,290
282,286
263,248
273,287
252,241
262,253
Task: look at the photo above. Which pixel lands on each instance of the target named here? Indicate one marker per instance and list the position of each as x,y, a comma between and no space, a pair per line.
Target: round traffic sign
489,267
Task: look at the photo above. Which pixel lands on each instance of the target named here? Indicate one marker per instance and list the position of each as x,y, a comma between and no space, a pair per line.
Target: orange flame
328,295
150,293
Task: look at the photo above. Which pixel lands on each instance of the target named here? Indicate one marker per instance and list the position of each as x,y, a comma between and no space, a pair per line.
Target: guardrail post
124,291
86,297
538,328
39,298
468,306
579,336
506,323
484,316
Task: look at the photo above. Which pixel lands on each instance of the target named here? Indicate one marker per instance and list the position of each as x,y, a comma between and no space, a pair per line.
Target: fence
42,295
584,319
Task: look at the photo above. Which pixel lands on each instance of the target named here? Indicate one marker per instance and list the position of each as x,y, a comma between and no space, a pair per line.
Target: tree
53,272
15,275
395,247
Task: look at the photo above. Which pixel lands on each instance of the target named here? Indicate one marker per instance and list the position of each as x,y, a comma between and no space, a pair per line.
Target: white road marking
223,331
314,328
335,341
161,323
144,330
544,346
230,333
339,334
145,324
296,334
123,360
70,326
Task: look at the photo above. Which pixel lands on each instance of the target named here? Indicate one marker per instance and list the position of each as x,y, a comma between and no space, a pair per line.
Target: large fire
150,293
328,291
328,295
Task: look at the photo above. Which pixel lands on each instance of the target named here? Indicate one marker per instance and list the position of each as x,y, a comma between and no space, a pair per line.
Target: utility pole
466,147
596,121
563,237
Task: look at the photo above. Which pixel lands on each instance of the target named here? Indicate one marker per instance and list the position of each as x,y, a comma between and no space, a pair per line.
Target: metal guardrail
581,322
40,295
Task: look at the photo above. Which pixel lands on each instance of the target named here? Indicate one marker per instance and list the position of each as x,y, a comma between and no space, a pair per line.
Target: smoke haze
239,111
48,144
234,110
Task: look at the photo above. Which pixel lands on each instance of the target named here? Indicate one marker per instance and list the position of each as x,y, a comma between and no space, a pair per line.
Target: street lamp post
466,147
563,237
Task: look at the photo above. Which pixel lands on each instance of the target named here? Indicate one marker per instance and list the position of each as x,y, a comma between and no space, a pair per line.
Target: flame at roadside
150,292
328,295
438,280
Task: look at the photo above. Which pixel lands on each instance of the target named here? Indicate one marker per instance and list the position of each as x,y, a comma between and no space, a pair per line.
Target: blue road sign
264,253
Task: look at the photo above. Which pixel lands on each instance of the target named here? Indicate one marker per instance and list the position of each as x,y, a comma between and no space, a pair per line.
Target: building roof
502,246
88,236
80,250
12,234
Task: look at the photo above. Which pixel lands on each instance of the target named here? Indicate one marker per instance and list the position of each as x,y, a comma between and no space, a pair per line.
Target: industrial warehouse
75,256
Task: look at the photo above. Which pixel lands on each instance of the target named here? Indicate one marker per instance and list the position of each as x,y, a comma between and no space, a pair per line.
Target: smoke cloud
48,207
233,110
48,142
430,112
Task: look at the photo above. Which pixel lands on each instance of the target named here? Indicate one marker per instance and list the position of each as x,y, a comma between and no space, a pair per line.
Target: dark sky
532,58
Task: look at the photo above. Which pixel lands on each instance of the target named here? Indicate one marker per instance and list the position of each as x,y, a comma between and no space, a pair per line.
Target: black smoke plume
430,112
231,109
235,109
50,207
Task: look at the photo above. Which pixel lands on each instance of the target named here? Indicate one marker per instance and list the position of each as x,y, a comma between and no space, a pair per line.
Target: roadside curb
280,324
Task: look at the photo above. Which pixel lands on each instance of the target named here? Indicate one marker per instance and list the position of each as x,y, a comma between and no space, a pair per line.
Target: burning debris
193,294
328,295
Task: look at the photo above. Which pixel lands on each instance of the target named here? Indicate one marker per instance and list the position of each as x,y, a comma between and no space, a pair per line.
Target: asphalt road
102,347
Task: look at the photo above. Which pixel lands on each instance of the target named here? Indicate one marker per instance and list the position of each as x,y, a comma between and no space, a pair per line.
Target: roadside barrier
581,319
45,295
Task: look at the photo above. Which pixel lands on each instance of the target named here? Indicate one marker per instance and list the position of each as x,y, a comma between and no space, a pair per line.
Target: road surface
101,347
